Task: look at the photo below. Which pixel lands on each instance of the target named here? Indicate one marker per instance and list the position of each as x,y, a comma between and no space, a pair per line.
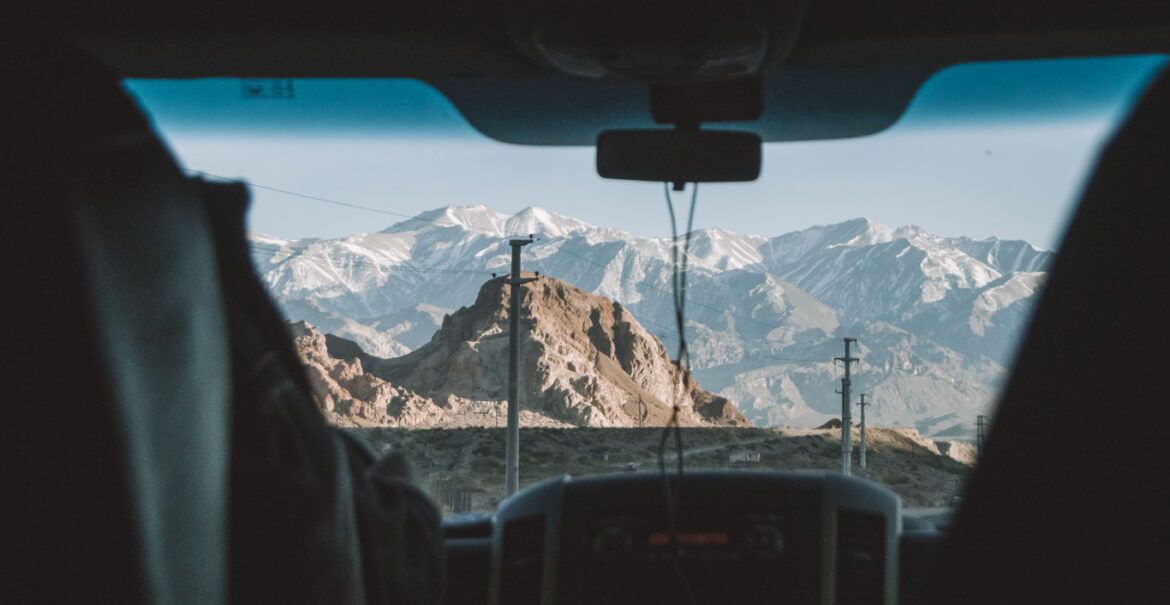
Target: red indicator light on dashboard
692,538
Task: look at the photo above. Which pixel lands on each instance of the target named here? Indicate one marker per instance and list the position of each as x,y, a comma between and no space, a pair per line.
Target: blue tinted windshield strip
360,107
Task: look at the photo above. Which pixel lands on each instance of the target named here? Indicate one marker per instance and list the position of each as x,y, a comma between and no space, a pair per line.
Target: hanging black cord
678,291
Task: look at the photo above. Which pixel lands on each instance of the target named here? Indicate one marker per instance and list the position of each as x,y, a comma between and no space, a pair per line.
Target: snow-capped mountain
937,318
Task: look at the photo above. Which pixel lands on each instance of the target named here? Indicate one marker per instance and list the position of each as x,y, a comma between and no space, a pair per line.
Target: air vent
522,561
861,558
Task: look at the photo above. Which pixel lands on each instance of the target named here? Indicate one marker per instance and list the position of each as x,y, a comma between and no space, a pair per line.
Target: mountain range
937,318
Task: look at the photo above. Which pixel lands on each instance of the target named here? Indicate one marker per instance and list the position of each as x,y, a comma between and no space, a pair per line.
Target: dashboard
733,537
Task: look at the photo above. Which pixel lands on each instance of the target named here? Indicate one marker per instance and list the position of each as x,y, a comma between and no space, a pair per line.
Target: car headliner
854,70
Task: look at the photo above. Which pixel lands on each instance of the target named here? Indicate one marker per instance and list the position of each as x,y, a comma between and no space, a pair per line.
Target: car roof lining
853,72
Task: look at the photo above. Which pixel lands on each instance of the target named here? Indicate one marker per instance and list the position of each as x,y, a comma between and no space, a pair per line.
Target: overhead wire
795,360
316,198
562,248
540,264
300,252
668,293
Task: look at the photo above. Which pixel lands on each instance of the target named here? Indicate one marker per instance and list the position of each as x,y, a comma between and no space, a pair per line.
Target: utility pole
512,443
980,433
846,412
862,404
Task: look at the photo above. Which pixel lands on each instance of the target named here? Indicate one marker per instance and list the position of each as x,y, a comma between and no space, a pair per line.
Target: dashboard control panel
735,537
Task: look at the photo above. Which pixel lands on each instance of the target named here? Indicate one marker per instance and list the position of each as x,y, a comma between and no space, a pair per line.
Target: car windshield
900,268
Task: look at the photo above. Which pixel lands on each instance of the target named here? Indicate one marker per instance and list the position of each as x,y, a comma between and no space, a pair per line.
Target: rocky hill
351,397
585,362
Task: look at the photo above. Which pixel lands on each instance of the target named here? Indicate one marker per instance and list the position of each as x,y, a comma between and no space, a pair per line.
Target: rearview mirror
679,156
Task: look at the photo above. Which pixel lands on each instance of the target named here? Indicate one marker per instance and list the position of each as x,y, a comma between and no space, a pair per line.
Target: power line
654,323
685,252
643,320
297,252
664,291
561,248
665,327
795,360
318,198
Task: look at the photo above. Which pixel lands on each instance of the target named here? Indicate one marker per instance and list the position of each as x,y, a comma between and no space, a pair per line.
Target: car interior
140,467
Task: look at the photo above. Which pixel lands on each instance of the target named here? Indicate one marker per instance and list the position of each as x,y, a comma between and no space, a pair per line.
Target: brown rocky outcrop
585,361
349,396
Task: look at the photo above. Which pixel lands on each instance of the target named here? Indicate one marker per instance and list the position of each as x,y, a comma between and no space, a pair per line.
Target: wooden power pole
512,443
861,454
846,412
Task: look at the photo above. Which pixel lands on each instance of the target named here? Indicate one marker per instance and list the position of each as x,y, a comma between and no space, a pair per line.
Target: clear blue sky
985,149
